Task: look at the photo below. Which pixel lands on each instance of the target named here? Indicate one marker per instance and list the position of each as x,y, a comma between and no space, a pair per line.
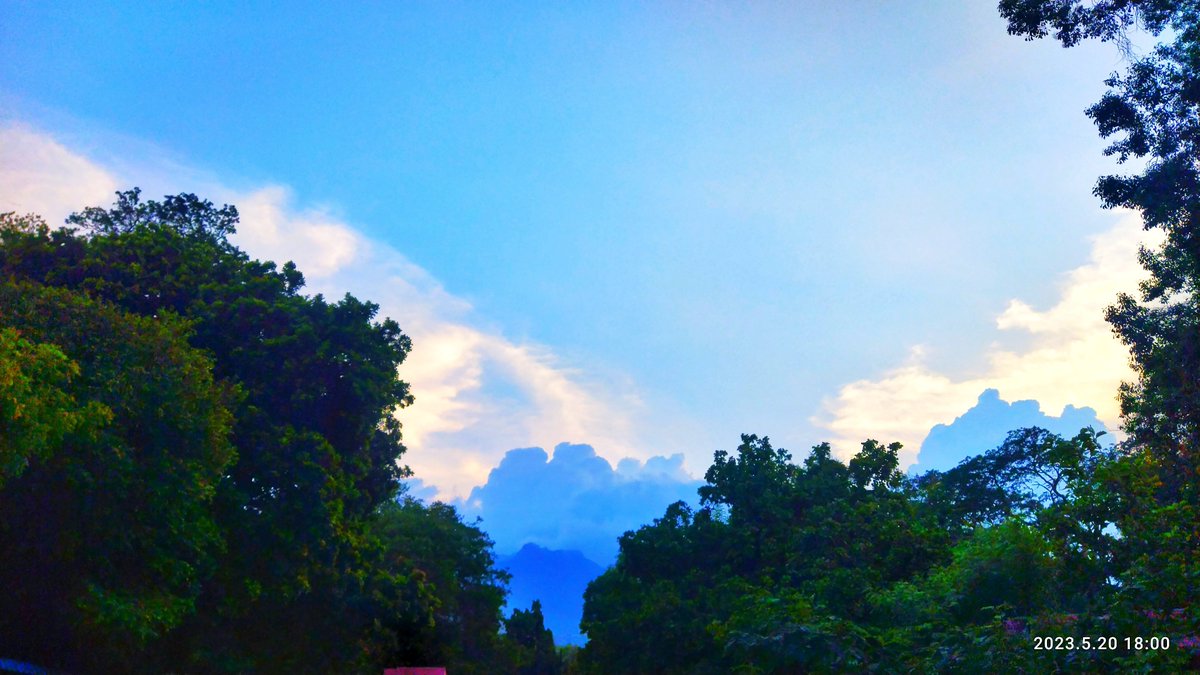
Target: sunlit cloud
1072,358
319,244
478,393
39,175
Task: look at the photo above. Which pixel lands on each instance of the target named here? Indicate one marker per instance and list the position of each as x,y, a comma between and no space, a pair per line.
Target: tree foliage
211,459
461,592
781,560
108,533
530,644
37,413
1152,113
826,566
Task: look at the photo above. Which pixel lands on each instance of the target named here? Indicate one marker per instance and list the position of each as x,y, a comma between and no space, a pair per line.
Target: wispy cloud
317,242
40,175
1071,357
478,393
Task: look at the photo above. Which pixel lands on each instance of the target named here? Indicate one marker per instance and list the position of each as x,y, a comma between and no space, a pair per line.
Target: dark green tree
753,489
108,533
1152,111
1033,469
651,611
530,643
774,572
464,592
317,444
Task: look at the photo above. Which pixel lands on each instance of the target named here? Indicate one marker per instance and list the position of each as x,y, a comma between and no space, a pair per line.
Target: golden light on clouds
1072,357
478,393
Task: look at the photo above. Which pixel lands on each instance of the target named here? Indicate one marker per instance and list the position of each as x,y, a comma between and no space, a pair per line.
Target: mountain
557,578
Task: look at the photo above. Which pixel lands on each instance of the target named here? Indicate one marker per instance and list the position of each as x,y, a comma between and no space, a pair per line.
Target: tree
317,446
531,643
37,413
782,632
772,574
650,612
1154,111
754,486
464,591
1072,20
1009,564
1031,470
108,533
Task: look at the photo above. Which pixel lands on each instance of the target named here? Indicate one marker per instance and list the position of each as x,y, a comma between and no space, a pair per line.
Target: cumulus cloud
575,499
1071,357
478,393
987,424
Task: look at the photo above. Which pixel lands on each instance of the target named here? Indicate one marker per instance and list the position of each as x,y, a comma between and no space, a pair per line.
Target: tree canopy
854,567
212,459
107,533
1152,113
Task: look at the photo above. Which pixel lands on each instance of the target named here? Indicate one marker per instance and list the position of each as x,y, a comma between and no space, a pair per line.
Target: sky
643,228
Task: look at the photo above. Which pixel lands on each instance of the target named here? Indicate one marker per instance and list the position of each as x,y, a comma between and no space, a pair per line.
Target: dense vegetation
200,471
852,567
199,467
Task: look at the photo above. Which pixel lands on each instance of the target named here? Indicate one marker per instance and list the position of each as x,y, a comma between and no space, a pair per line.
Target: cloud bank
477,392
1072,358
575,500
986,425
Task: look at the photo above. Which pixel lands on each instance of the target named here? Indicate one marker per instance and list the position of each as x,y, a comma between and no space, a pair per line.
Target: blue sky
648,227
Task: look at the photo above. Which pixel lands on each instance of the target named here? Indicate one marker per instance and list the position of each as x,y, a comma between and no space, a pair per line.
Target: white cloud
313,239
478,393
1072,358
39,175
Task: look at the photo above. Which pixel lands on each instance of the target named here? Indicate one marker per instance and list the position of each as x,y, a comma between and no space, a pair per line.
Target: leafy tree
531,643
754,486
650,612
463,591
108,533
876,467
1010,564
1154,111
37,413
864,570
1033,469
772,574
1072,21
317,447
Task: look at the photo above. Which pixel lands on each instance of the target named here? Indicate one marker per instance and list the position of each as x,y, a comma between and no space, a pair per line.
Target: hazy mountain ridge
558,579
